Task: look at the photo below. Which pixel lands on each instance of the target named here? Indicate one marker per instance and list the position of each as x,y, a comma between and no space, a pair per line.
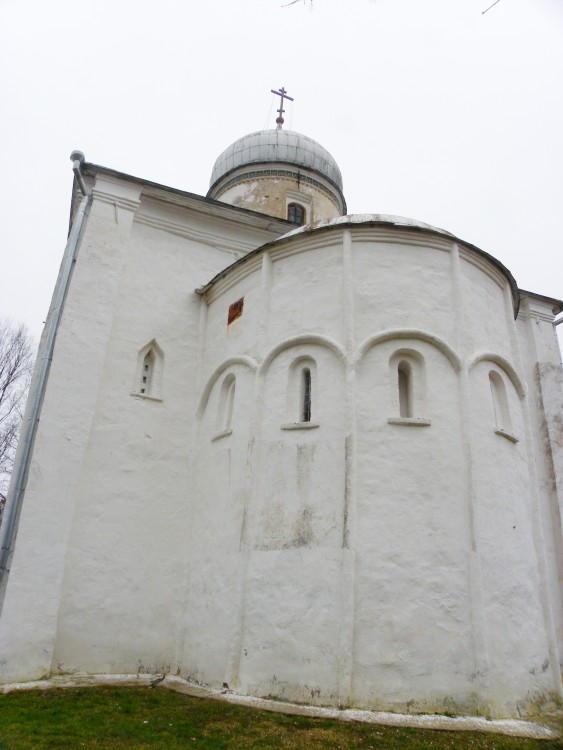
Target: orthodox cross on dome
283,94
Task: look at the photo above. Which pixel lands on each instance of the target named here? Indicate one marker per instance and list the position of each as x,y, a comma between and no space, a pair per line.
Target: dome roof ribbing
284,146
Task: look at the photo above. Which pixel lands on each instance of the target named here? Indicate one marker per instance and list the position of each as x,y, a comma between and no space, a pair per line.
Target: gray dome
277,146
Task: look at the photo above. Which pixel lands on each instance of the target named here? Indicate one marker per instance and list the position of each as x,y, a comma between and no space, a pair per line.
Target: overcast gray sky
432,110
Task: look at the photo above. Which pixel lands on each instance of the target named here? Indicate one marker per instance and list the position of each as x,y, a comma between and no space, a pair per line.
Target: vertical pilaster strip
481,673
247,531
202,338
266,280
348,561
348,294
195,438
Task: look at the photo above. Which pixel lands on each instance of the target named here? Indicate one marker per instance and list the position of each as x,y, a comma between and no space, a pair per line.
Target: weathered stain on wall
270,196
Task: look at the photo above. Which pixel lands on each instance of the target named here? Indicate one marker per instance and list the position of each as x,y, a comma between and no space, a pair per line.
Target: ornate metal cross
283,94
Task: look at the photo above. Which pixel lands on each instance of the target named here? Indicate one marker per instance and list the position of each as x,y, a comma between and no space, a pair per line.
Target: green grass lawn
124,717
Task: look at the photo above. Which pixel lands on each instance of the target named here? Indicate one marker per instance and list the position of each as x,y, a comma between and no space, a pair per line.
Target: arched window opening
305,395
500,402
302,386
407,388
404,372
147,372
296,214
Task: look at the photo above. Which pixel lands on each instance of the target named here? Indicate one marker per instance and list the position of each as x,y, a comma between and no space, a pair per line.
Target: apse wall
372,543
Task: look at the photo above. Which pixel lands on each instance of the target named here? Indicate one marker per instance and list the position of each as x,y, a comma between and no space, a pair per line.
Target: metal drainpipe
29,429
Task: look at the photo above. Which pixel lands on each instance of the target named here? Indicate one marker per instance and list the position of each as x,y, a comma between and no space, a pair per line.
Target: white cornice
115,200
390,235
322,240
218,241
164,194
483,265
535,314
539,306
262,222
116,192
252,266
233,274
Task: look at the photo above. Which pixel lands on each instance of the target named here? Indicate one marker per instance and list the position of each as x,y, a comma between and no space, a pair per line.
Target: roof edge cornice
352,221
194,201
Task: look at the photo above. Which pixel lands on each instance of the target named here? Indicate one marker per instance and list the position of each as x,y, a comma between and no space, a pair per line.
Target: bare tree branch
16,362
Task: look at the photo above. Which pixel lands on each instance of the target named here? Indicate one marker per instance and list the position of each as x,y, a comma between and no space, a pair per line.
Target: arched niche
406,381
306,339
226,404
499,396
302,384
408,389
504,365
399,334
149,371
244,361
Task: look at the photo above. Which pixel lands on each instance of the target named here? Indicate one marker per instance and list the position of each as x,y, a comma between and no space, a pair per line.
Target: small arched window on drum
296,214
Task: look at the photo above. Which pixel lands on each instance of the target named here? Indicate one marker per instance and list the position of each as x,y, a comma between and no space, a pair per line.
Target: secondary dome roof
277,145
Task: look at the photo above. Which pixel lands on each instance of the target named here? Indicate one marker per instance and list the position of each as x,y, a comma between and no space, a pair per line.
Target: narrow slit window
296,214
404,372
147,379
306,395
147,371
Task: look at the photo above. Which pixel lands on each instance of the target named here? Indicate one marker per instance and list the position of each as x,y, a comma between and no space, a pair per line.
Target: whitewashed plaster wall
384,562
412,632
360,559
96,578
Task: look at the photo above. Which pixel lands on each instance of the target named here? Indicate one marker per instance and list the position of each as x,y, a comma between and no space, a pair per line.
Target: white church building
303,454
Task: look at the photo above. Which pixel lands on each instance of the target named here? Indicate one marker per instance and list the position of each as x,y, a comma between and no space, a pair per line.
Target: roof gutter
35,399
